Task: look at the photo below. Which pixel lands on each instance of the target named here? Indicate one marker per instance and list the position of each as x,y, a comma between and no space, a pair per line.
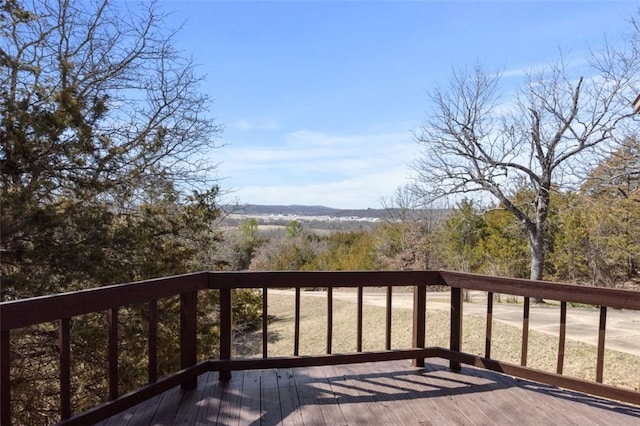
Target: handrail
610,297
38,310
63,307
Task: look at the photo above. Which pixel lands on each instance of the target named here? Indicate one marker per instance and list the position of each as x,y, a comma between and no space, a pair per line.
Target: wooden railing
61,308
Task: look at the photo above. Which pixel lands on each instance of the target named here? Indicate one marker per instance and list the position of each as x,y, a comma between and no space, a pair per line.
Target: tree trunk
536,247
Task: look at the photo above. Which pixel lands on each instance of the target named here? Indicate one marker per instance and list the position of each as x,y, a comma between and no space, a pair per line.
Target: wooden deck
384,393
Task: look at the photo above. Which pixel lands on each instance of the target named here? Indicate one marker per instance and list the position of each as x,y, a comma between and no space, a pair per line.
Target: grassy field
580,358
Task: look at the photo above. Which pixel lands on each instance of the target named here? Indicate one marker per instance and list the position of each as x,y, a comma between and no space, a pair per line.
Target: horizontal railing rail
61,308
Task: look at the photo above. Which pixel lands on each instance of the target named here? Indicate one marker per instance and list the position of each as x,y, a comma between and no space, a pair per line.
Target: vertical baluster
188,335
525,332
562,337
419,320
487,338
359,321
387,337
601,338
153,341
64,343
265,319
225,330
329,319
112,319
296,331
455,335
5,377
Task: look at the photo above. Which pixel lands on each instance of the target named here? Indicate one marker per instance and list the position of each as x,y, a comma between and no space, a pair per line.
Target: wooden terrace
383,393
417,385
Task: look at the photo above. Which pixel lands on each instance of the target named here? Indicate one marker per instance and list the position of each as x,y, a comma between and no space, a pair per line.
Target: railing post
188,335
329,319
419,319
359,310
601,339
225,330
112,319
525,332
455,336
5,378
562,337
64,343
489,326
153,341
389,316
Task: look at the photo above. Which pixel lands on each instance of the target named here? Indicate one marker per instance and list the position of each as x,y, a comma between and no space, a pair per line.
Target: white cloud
246,125
362,192
307,167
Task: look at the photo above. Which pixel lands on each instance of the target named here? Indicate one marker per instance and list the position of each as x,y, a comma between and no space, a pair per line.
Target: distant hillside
297,210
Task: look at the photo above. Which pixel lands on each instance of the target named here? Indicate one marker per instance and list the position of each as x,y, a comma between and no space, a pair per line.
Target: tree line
592,238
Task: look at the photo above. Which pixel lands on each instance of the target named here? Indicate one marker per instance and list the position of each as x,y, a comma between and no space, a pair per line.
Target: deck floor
385,393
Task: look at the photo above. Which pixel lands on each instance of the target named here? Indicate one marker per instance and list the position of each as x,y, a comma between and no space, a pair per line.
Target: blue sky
319,99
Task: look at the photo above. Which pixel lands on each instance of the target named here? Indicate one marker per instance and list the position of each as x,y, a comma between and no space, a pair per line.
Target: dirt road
623,327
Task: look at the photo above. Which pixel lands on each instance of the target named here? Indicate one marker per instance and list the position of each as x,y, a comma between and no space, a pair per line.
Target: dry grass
580,358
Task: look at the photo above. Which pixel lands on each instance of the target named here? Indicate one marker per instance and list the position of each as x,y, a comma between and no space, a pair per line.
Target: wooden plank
613,298
289,401
300,279
64,343
231,399
489,325
419,320
397,394
153,341
359,310
388,317
265,321
519,400
166,412
141,414
112,320
329,319
311,385
466,391
363,394
5,377
188,335
525,332
326,398
195,401
251,411
296,326
562,338
270,398
455,332
226,326
209,406
602,328
38,310
441,403
319,360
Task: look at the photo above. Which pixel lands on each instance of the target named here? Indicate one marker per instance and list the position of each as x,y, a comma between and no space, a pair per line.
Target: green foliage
103,128
460,236
404,245
503,245
294,228
348,251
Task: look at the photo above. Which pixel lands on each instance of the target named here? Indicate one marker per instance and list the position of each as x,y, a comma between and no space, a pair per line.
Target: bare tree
100,114
535,142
